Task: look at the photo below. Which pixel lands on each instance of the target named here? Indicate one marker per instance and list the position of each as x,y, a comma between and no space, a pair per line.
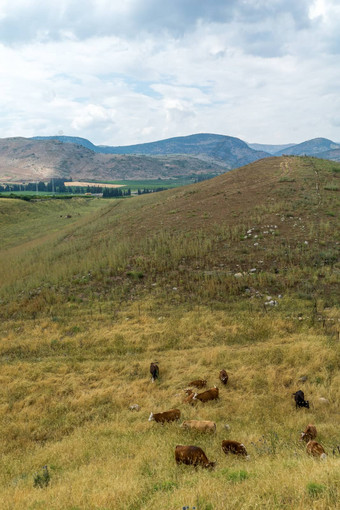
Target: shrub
315,489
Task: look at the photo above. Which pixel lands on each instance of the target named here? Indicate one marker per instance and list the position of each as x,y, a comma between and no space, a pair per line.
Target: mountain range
40,158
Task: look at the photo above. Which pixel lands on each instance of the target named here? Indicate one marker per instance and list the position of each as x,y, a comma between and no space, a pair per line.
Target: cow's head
210,465
151,417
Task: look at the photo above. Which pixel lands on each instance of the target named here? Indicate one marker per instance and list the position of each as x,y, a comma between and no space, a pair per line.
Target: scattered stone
272,302
226,426
256,244
303,379
238,275
253,270
134,407
323,400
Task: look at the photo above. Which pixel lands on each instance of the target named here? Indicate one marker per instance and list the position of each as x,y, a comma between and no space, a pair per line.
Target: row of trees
57,185
146,190
53,186
115,192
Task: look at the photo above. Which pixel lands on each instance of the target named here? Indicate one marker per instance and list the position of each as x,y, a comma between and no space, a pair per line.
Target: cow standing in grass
309,433
192,456
211,394
229,446
189,397
198,383
223,377
166,416
300,401
199,425
154,371
315,449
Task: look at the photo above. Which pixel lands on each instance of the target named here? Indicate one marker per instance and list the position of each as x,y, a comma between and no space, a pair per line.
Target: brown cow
309,433
314,448
207,395
154,371
189,398
192,456
172,415
223,377
198,383
229,446
199,425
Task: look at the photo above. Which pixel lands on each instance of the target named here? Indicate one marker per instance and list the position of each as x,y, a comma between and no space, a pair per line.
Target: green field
92,291
156,183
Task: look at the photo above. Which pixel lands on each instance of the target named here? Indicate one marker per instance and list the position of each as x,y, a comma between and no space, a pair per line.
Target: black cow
154,371
300,401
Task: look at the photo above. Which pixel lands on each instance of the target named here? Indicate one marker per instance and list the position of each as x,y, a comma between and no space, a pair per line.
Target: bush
315,489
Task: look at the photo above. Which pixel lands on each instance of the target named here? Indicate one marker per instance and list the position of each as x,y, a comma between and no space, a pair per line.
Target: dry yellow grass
65,395
86,306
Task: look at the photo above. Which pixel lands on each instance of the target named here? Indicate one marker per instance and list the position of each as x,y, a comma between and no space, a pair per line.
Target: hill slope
229,151
29,159
277,190
315,147
271,149
101,289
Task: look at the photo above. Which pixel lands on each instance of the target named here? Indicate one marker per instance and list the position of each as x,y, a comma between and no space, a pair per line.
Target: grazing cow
300,401
192,456
229,446
172,415
309,433
314,448
154,371
199,425
189,398
223,377
198,383
211,394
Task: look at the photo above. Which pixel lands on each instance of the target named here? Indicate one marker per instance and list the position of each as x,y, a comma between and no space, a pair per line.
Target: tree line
55,185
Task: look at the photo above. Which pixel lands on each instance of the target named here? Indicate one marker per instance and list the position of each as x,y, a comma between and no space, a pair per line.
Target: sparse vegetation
87,302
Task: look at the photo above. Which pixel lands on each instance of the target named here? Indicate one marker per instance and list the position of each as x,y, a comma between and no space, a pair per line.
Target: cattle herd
194,455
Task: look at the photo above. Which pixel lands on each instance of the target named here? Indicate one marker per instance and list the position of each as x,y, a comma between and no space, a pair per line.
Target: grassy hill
181,277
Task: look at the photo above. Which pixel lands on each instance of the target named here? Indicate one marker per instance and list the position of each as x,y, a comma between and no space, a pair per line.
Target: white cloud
135,71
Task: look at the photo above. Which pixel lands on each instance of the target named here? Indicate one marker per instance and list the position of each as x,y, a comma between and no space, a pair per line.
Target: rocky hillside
30,159
226,150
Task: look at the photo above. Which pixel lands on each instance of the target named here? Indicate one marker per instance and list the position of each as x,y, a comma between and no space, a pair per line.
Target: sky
120,72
